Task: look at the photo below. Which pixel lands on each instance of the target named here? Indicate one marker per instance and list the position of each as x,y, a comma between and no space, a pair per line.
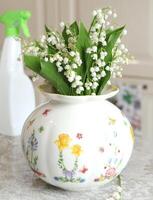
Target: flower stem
119,183
92,23
61,161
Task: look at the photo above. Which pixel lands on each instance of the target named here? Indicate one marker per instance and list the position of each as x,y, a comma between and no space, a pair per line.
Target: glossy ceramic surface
77,142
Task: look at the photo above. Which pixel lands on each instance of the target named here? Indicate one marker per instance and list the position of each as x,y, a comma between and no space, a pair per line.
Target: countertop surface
17,182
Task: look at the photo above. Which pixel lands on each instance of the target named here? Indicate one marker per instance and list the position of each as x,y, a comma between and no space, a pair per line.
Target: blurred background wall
138,17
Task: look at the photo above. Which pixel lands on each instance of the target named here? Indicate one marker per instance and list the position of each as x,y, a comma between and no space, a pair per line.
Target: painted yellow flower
63,141
132,133
112,121
76,150
101,178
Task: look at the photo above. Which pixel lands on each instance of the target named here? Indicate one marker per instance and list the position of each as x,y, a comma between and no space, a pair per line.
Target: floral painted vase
77,142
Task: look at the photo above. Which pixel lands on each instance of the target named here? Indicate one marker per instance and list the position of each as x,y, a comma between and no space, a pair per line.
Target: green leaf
65,35
103,82
47,29
74,28
49,72
112,37
83,42
52,50
57,79
33,63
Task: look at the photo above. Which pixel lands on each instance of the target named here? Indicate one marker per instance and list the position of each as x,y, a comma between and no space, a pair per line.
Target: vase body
77,142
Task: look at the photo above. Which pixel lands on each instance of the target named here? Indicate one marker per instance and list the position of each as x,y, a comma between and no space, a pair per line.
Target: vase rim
106,94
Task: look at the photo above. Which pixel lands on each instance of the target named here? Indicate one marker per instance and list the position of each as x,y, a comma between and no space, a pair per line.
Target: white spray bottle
17,98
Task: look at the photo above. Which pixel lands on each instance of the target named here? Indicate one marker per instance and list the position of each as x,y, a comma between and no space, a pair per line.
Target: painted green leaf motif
35,160
73,180
68,175
41,129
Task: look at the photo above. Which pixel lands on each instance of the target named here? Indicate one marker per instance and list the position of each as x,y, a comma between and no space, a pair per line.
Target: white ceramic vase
77,142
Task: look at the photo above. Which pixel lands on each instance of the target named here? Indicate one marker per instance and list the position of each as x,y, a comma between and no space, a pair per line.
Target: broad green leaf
92,23
57,79
103,82
74,28
110,32
49,72
83,42
83,38
47,29
112,38
33,63
65,35
51,50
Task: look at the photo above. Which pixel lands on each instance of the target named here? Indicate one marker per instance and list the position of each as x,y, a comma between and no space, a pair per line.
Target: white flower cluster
54,40
71,36
31,49
54,48
121,58
98,34
42,49
100,23
99,68
68,62
71,64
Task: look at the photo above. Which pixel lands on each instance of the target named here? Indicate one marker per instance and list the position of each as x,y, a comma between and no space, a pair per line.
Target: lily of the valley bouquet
80,61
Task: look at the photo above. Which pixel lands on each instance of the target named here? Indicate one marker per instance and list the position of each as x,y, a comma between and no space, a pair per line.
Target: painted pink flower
45,113
83,170
79,136
110,172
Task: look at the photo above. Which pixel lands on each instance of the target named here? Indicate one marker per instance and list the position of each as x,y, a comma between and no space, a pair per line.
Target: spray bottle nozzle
15,21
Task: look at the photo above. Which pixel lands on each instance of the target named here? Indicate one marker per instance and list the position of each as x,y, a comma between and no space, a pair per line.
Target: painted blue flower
33,142
82,180
56,178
